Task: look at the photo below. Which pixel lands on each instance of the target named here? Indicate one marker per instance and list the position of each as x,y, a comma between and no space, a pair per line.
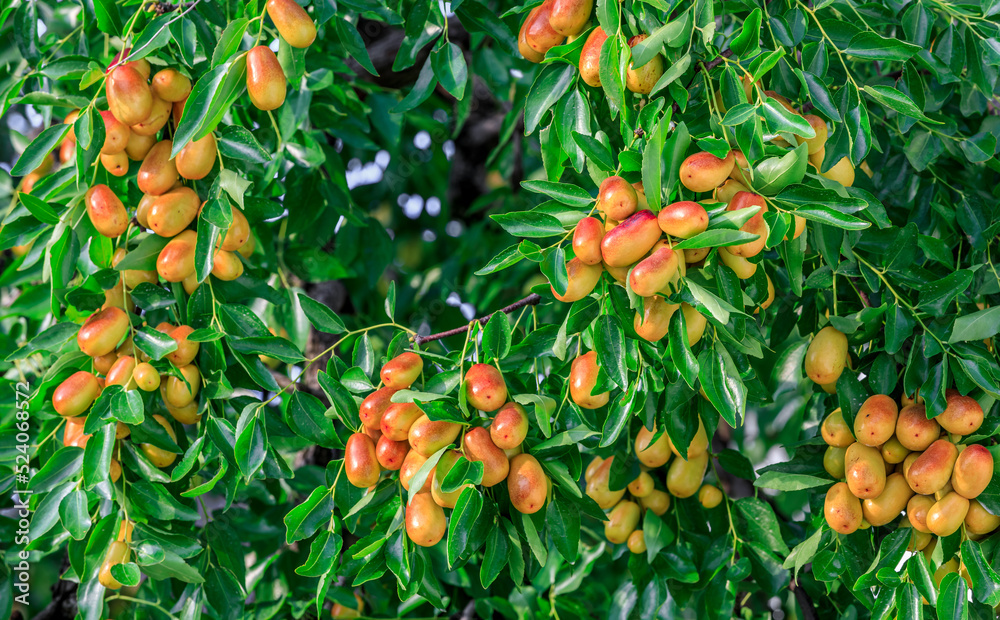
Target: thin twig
165,7
530,300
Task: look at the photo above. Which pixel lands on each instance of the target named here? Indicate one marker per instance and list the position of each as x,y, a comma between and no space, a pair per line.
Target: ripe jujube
401,371
171,85
622,521
842,509
703,172
684,477
875,421
158,456
479,447
932,470
293,23
826,356
265,79
102,331
106,211
159,114
582,278
569,17
197,158
652,453
226,266
158,171
425,521
485,388
683,219
427,436
617,198
652,274
527,484
128,94
374,405
397,418
587,240
75,394
865,471
583,379
641,80
176,259
755,225
390,454
628,242
360,463
179,392
509,426
590,57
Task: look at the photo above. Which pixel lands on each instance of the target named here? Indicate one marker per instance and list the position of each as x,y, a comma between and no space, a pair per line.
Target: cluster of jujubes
684,478
400,437
105,337
898,460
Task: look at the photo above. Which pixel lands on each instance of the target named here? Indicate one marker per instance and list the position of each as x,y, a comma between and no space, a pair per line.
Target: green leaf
784,481
462,522
57,469
153,343
351,39
872,46
449,68
529,224
305,519
895,100
237,142
497,336
715,238
320,316
680,349
952,603
609,342
36,152
251,441
42,210
746,43
144,256
562,192
976,326
495,556
657,533
722,383
985,581
761,524
563,520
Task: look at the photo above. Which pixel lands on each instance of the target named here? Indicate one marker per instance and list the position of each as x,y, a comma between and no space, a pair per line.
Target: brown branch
805,603
165,7
530,300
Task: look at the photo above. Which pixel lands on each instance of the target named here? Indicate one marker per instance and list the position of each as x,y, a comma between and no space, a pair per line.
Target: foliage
255,517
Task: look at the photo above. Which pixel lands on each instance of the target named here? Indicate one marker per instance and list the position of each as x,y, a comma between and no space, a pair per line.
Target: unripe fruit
479,447
683,219
947,514
826,356
637,542
684,477
703,172
973,471
755,225
143,208
121,372
841,172
401,371
842,509
962,415
539,34
865,471
978,521
698,445
102,331
770,296
103,363
293,23
485,388
653,273
425,522
427,436
629,242
890,503
641,80
265,79
106,211
128,95
709,496
374,405
592,468
396,418
116,134
522,41
816,143
509,426
908,462
916,511
237,234
196,159
743,268
118,553
598,488
582,278
188,414
527,484
176,259
894,452
642,486
914,431
657,502
835,430
171,85
590,57
617,198
695,321
159,114
178,111
116,165
655,454
587,240
728,189
360,462
187,350
620,274
411,465
875,422
569,17
178,392
834,461
246,250
390,454
226,266
931,471
583,379
158,171
157,456
622,521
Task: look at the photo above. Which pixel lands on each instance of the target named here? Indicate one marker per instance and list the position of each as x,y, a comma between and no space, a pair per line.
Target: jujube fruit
360,462
628,242
526,51
444,466
197,158
509,426
102,331
916,511
103,363
655,454
73,435
116,165
743,268
226,266
188,414
973,471
755,225
121,372
106,211
427,436
962,415
637,542
237,234
642,486
583,379
875,421
479,447
865,471
411,465
684,477
390,454
931,471
842,509
826,356
376,404
180,392
118,553
894,452
622,521
657,502
157,456
979,521
587,240
158,171
129,97
171,85
74,396
176,259
159,114
653,273
703,172
265,79
527,484
186,350
816,143
947,514
581,280
641,80
590,57
835,430
709,496
834,461
617,198
425,521
539,34
592,467
890,503
293,23
698,445
396,418
914,431
485,388
401,371
116,134
683,219
569,17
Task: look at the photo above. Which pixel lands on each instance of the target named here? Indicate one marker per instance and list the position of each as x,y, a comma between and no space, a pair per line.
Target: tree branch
165,7
805,603
530,300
